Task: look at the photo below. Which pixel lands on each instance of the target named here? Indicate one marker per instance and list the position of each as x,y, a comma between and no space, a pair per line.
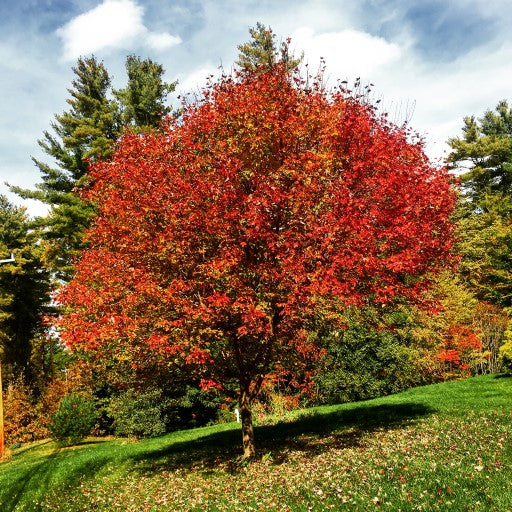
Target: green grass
441,447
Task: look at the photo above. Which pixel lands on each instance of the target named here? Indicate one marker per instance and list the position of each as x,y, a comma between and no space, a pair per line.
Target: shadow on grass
502,376
19,488
27,484
32,447
311,433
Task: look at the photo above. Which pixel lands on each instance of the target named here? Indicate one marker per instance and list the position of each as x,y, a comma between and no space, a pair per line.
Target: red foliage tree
271,200
461,351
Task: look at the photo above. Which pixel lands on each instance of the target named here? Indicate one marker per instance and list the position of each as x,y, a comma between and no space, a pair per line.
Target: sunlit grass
441,447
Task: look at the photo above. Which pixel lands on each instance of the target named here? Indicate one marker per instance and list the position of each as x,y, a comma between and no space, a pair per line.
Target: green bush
506,357
73,420
140,415
193,408
365,362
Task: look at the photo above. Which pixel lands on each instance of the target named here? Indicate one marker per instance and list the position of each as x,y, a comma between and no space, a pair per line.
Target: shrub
365,362
273,406
506,357
73,420
139,415
20,415
49,400
193,408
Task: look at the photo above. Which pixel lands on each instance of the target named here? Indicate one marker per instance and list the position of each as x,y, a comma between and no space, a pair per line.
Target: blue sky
432,61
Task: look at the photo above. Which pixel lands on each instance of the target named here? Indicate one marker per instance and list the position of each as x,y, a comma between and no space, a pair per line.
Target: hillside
439,447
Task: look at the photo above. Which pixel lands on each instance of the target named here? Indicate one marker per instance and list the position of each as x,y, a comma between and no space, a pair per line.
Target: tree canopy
269,203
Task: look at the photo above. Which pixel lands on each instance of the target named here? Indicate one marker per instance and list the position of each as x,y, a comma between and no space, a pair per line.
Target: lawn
442,447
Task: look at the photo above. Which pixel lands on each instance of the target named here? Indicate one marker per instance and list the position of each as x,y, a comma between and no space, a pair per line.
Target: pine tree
262,51
484,155
84,133
143,99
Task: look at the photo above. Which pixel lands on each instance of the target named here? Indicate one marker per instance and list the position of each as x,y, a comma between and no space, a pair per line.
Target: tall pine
483,158
87,131
142,101
484,155
84,133
262,52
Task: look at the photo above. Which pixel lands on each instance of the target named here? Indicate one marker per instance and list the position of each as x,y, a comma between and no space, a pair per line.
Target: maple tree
461,350
268,204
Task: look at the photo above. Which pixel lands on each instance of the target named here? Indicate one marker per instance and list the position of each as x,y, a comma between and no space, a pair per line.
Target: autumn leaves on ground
441,447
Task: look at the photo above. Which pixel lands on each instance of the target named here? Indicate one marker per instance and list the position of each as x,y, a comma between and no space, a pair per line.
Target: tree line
271,242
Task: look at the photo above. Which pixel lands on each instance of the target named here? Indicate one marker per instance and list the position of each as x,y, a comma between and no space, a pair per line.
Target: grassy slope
446,446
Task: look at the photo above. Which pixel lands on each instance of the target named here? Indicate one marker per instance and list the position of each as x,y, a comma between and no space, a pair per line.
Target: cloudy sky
432,61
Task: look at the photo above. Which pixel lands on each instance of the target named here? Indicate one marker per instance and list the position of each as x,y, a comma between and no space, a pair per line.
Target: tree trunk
247,428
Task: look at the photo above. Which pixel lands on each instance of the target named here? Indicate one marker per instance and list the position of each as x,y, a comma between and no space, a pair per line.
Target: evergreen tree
85,132
24,297
262,52
143,99
483,158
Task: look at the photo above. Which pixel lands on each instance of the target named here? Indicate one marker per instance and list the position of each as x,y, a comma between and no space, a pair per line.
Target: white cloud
114,24
197,79
161,41
347,52
433,96
468,86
